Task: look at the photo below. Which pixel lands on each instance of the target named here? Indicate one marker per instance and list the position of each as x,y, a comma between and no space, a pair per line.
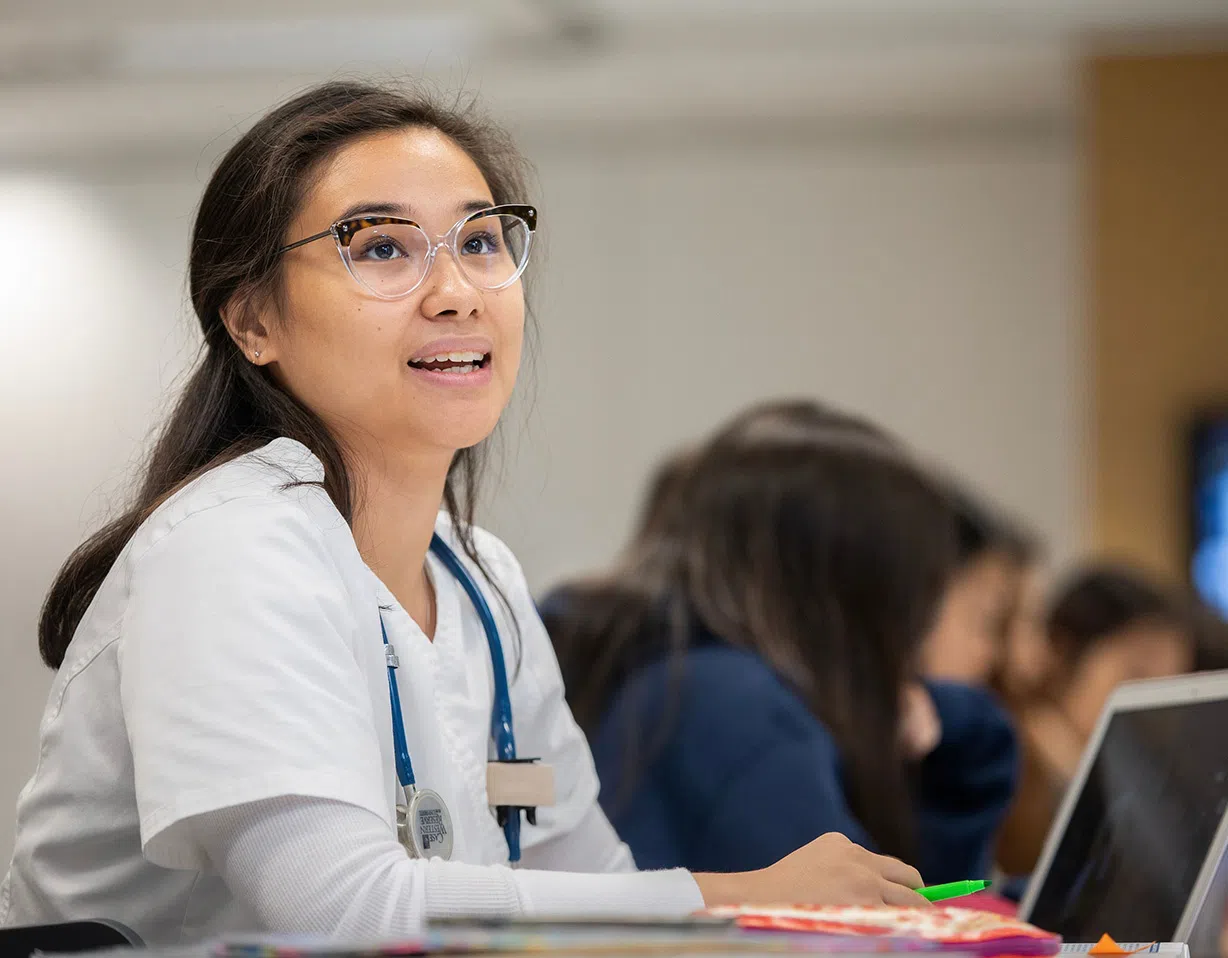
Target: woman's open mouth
457,364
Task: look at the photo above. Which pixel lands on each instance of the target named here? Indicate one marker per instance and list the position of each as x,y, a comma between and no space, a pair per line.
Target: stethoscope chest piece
424,826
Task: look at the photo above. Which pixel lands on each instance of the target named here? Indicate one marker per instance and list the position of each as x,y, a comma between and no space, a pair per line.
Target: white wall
89,339
925,277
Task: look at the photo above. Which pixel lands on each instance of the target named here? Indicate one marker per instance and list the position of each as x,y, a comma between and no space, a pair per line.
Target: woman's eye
480,244
381,248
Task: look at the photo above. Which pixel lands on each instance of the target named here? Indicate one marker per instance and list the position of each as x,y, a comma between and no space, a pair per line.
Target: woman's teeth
458,363
451,357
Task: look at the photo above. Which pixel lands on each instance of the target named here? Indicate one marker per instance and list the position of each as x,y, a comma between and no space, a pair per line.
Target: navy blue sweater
746,774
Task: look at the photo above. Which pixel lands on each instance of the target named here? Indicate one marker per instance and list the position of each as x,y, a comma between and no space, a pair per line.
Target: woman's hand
831,870
920,726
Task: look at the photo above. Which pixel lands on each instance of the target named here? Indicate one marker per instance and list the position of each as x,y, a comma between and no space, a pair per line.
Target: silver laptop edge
1131,697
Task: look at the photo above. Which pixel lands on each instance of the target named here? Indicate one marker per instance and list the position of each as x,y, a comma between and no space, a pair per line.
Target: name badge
523,784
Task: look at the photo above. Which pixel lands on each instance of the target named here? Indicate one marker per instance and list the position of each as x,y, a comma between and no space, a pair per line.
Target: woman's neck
396,503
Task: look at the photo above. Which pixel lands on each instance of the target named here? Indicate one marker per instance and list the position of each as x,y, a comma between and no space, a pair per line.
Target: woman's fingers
894,894
897,871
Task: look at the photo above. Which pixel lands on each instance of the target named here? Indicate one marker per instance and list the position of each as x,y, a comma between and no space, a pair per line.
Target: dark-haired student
749,671
1107,623
981,620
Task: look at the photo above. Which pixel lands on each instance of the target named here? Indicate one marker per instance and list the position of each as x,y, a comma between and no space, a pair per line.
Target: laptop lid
1142,828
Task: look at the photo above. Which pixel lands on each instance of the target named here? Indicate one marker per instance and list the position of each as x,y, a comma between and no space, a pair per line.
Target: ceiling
85,75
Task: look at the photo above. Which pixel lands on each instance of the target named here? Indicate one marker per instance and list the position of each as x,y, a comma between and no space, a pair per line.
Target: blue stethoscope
424,825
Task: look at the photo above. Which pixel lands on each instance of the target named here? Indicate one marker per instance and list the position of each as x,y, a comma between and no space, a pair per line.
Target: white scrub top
233,654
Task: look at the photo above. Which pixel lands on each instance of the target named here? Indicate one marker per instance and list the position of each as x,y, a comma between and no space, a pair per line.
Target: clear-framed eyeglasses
391,256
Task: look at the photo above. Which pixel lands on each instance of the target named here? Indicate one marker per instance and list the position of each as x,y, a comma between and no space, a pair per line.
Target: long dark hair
230,406
808,537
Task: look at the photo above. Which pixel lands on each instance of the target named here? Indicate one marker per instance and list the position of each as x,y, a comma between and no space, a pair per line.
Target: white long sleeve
591,845
313,866
217,750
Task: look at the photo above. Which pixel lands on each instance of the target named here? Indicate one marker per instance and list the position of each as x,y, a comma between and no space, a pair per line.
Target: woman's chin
451,418
453,433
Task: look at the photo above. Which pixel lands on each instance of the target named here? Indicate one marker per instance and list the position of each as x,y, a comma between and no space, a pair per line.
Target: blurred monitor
1209,512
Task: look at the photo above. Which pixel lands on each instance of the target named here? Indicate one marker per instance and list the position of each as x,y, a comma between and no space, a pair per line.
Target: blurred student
1106,625
979,623
748,673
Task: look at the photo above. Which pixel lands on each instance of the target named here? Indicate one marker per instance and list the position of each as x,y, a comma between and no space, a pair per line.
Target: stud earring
257,354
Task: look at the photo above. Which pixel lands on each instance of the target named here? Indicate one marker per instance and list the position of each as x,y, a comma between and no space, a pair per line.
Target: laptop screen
1141,827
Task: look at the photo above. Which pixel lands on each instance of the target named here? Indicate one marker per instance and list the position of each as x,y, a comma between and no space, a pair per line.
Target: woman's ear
248,320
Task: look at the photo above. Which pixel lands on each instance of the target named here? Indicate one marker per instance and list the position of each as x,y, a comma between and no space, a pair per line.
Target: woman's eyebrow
474,205
378,209
405,211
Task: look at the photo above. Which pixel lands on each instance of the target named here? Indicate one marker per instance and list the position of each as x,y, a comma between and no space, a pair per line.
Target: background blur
998,226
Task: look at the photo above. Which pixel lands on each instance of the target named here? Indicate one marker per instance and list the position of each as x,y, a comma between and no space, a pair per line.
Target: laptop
1143,827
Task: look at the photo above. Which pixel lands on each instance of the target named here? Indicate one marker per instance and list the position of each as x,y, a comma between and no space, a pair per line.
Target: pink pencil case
943,928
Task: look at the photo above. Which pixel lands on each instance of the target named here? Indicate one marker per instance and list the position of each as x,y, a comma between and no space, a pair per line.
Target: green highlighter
955,889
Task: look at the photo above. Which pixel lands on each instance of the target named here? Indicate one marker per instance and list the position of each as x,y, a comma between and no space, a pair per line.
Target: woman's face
353,358
966,640
1029,657
1143,651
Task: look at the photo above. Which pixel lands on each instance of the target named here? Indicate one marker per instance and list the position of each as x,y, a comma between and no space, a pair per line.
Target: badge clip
519,784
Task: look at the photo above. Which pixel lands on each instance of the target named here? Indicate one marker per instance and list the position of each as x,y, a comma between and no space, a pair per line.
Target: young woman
283,673
1107,624
749,672
979,621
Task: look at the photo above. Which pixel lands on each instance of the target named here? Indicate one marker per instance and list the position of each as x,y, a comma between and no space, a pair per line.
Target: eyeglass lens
390,259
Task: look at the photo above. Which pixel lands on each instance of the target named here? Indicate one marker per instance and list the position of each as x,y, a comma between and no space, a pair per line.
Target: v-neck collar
447,610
